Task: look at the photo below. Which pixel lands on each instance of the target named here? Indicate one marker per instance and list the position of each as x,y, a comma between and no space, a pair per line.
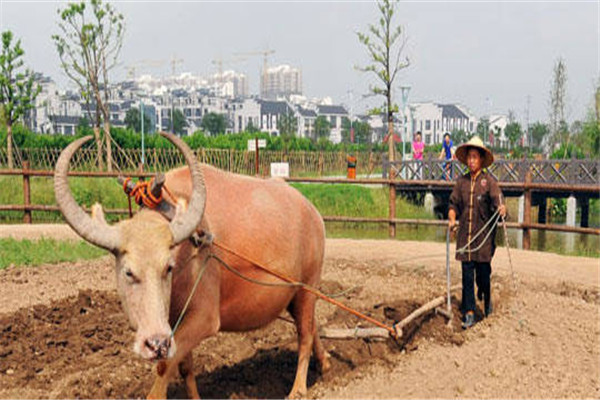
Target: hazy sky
490,56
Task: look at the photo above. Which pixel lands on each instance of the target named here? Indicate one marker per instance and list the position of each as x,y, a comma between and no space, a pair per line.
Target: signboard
262,143
280,169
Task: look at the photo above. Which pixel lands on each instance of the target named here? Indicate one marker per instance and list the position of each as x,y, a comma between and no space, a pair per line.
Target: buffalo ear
98,214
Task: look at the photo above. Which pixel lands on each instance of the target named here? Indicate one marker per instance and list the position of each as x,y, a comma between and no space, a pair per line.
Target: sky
491,56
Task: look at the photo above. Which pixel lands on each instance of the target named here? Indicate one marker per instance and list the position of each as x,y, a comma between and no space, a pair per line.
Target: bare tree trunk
108,146
9,145
99,161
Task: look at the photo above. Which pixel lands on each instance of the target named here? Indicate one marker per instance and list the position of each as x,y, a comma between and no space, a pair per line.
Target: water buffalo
266,221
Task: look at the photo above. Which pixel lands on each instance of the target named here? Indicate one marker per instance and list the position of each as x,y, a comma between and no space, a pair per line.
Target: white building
229,84
433,120
497,129
334,115
281,82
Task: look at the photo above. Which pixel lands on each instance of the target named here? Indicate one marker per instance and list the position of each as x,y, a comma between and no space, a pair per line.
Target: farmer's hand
452,223
502,210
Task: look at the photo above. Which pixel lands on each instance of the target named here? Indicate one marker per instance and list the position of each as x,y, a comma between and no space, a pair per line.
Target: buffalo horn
93,230
185,223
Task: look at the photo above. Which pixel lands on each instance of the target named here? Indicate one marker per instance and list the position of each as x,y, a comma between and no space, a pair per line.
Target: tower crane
131,69
174,61
265,53
219,61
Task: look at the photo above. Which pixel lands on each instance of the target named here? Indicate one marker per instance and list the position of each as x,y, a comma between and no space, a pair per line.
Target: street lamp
404,90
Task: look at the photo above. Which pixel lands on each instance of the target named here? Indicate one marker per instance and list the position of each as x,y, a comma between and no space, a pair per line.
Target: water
555,242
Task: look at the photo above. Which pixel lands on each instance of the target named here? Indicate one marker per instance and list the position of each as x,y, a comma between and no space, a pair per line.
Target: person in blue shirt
447,154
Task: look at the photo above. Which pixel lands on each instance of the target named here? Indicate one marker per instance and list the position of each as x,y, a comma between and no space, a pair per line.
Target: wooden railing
27,207
558,172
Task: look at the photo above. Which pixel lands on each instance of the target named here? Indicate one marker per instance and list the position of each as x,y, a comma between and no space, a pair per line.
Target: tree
538,131
513,133
362,131
483,130
179,122
17,91
250,128
459,136
134,122
322,127
214,123
557,104
287,124
385,52
88,47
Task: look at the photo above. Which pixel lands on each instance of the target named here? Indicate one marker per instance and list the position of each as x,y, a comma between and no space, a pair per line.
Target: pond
555,242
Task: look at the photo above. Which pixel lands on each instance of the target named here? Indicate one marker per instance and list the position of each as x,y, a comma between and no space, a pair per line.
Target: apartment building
280,82
433,120
334,115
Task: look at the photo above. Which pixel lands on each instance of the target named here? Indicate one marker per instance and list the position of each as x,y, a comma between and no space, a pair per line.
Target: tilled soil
63,334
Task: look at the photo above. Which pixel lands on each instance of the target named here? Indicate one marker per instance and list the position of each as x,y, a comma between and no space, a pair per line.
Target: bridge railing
565,172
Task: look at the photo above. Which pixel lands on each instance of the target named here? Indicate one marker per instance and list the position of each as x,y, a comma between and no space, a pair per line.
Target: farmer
474,200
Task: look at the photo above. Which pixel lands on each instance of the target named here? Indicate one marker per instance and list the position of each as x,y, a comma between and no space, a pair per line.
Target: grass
86,191
357,201
45,251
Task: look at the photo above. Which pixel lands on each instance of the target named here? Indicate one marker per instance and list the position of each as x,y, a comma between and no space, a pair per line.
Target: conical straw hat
476,143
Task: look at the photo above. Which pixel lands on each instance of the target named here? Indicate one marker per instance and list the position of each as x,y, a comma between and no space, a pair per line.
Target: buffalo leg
303,310
320,353
186,369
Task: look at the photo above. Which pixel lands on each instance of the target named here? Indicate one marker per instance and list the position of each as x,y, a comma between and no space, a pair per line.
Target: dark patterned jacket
475,199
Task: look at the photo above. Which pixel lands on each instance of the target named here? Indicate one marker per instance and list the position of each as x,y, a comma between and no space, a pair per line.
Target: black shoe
469,320
488,308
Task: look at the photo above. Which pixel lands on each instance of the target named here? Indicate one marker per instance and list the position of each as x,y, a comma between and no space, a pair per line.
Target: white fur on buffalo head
143,249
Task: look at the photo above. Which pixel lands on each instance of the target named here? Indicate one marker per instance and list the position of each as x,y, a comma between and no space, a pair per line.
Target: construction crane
131,69
265,53
219,61
174,61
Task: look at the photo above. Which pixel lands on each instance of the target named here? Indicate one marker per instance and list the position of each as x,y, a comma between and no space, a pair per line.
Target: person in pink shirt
418,146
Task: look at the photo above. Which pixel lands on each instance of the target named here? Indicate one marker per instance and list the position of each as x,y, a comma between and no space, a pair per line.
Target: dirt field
63,335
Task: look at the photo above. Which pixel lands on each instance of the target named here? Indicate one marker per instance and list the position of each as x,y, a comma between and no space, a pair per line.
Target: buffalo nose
159,345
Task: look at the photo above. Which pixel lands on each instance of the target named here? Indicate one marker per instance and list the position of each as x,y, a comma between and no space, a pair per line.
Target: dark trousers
481,271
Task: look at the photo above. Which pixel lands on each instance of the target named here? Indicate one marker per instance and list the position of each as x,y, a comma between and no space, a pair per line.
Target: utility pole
527,133
142,122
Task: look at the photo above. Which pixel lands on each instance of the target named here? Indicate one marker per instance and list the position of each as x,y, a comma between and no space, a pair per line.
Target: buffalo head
144,250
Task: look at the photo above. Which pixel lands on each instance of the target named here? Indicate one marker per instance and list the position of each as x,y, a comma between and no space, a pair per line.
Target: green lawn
45,251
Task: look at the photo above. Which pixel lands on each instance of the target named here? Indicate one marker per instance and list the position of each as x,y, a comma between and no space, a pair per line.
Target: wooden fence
302,163
27,207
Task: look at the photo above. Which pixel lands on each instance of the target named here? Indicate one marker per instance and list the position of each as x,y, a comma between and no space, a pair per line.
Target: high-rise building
280,81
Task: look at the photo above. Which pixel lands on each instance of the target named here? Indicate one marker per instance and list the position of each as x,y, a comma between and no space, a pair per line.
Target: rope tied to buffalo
143,196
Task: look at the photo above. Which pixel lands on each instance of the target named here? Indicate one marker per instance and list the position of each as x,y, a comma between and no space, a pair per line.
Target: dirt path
63,335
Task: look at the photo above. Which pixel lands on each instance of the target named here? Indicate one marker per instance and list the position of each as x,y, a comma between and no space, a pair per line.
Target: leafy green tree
179,122
89,43
558,94
250,128
513,133
538,132
17,91
134,122
483,130
459,136
322,127
287,124
214,124
385,47
362,131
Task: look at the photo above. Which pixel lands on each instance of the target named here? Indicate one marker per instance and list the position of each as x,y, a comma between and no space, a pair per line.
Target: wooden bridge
533,181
